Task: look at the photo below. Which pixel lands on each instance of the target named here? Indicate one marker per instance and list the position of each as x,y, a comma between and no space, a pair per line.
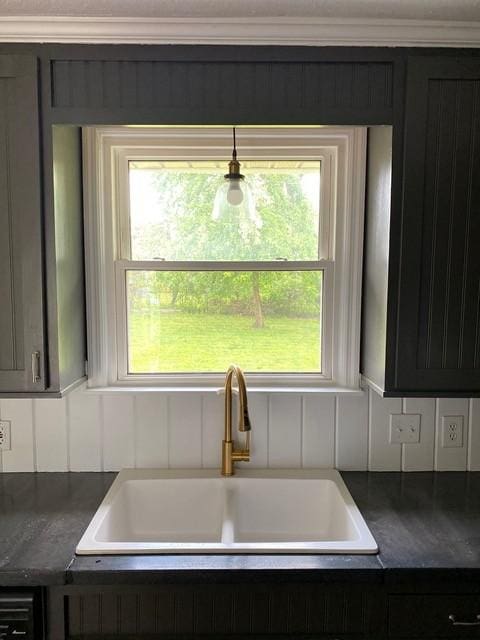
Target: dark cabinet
434,616
428,305
22,339
42,325
218,610
421,304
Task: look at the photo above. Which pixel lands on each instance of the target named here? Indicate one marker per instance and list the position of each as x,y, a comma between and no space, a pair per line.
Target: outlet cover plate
404,428
5,435
452,431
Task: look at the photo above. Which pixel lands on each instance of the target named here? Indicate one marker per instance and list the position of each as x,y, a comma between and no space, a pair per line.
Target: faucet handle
243,455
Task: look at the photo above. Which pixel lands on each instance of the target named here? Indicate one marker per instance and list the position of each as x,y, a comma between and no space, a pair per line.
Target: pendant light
234,196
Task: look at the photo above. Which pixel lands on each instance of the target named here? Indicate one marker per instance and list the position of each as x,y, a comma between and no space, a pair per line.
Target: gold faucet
229,454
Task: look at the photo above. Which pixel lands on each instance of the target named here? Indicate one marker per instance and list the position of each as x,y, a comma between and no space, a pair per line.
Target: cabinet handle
36,366
460,623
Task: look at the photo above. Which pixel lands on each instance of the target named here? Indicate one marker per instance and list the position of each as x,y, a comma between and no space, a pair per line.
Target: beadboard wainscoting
104,432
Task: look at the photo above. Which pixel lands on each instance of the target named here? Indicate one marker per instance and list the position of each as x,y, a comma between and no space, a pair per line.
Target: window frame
107,153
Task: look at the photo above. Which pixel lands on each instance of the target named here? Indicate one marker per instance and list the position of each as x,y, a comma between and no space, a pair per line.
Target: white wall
92,432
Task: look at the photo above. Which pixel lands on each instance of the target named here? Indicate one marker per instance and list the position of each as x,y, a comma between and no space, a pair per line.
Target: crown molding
241,31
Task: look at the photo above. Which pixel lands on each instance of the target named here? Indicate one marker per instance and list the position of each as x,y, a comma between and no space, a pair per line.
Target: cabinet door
222,610
21,281
438,334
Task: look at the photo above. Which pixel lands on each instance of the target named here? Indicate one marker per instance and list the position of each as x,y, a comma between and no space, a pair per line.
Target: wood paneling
438,324
220,610
21,299
209,91
449,324
92,431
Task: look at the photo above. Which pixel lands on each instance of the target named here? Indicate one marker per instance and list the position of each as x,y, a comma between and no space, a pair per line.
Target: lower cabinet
307,611
434,616
219,610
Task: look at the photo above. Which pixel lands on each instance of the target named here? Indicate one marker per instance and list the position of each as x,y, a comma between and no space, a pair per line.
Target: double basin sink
255,511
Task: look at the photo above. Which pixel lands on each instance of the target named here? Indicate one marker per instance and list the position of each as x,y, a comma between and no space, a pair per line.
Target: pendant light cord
234,153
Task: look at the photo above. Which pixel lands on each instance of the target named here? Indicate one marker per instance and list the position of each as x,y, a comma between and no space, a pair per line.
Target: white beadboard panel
21,457
185,430
151,430
258,411
318,431
118,432
473,462
351,448
212,430
51,438
382,456
451,458
285,431
419,456
88,432
85,430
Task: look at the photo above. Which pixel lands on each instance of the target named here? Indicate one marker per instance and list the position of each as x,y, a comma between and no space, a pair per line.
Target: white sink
255,511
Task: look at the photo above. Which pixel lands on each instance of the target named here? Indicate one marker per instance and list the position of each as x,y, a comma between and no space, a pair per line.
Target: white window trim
107,151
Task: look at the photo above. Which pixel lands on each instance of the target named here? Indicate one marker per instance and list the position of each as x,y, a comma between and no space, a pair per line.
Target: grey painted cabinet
439,293
22,340
42,308
280,609
427,308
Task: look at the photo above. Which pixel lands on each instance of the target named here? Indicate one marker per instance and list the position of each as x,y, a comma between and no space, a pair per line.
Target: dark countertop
42,516
421,521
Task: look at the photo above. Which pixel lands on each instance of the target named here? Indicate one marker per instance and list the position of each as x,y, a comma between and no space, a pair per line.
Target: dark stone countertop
42,516
422,522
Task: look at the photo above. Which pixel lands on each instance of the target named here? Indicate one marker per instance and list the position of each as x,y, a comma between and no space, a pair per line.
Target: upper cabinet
422,333
22,337
421,295
42,317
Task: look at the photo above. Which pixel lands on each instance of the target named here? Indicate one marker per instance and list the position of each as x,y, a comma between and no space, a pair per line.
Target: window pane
263,321
171,205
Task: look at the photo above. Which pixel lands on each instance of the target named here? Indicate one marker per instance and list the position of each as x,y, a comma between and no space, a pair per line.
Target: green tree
187,231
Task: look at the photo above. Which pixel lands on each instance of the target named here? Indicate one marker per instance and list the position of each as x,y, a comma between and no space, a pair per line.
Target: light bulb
234,193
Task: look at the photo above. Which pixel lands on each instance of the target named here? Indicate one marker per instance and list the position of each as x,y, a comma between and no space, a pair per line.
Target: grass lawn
180,342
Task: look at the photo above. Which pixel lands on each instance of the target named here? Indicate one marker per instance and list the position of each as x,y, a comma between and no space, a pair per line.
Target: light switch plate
5,435
404,428
452,431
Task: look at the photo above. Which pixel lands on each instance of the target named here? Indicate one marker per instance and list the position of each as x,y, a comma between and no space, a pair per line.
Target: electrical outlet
5,435
452,431
404,428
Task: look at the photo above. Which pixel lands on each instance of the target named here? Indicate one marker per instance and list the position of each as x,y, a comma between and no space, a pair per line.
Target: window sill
326,390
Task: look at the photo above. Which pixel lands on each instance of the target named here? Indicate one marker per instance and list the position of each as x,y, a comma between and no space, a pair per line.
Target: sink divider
228,527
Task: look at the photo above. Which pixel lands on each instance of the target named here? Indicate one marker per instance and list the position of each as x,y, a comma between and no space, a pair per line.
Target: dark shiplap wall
257,92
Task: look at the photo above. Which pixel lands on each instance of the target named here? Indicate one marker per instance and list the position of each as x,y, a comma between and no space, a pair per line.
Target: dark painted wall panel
342,92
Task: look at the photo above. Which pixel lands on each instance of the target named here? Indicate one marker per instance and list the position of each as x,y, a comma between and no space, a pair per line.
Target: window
175,294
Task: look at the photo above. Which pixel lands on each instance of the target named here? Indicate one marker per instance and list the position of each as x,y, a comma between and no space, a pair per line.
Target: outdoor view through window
240,292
